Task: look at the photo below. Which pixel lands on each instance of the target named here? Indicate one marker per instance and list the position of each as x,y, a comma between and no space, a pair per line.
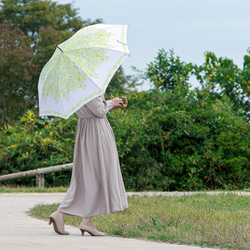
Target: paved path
20,231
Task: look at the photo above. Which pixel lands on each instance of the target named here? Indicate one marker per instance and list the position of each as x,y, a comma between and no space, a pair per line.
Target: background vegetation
171,137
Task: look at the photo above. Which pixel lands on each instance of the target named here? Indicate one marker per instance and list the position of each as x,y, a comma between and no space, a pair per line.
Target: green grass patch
221,221
63,189
4,189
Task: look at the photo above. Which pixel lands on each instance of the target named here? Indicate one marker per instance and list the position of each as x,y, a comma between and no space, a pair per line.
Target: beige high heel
86,228
58,226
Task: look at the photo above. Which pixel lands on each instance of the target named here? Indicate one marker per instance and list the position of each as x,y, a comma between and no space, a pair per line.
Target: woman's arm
101,107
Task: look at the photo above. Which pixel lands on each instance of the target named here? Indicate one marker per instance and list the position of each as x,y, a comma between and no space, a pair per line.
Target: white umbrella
81,69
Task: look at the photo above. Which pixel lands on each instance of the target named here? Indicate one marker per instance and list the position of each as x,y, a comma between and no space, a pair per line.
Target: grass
4,189
63,189
221,221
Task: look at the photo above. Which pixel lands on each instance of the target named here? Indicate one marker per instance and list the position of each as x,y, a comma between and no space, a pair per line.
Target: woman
96,185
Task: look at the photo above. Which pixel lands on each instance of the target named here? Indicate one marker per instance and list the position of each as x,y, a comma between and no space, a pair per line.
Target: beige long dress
96,185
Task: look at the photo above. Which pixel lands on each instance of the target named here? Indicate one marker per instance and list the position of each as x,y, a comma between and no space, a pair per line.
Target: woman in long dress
96,185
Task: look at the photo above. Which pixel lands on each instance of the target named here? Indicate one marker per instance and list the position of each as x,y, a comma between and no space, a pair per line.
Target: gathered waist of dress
90,116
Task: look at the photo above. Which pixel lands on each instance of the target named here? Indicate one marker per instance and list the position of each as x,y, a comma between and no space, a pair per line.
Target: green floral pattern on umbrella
81,68
75,63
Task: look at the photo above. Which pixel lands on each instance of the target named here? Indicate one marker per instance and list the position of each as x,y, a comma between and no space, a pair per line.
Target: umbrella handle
126,101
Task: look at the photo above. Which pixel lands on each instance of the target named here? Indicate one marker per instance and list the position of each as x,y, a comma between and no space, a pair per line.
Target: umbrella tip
59,47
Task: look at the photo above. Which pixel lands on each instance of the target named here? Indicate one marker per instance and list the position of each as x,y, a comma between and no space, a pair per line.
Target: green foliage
35,143
224,78
31,15
167,71
16,69
218,76
120,83
181,141
48,38
166,141
171,138
23,53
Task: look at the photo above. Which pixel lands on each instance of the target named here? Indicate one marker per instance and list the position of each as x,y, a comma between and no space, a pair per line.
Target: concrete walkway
20,231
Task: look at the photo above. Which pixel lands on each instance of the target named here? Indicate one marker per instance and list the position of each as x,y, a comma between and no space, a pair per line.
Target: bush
180,140
35,143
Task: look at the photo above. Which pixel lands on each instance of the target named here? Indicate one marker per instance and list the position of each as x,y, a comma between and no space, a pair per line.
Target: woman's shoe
57,223
94,232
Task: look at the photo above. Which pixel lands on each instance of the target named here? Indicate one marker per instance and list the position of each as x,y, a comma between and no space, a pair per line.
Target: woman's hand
118,103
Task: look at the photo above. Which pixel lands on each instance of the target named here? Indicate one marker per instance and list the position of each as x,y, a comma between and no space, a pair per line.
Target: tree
219,77
46,45
245,82
48,23
224,78
120,83
31,15
16,70
167,71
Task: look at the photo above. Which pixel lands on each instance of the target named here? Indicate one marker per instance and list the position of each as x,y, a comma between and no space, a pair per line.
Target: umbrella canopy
81,69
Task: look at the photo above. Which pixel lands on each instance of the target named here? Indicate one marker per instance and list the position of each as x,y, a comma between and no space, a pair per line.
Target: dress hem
118,210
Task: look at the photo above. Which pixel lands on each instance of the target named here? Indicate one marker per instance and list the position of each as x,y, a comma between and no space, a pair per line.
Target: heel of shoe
51,220
58,224
83,231
54,225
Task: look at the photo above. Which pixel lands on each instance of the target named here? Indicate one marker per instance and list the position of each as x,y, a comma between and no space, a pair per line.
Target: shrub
35,143
179,140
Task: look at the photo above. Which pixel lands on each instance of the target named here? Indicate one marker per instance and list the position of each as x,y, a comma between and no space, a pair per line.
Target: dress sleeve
99,106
